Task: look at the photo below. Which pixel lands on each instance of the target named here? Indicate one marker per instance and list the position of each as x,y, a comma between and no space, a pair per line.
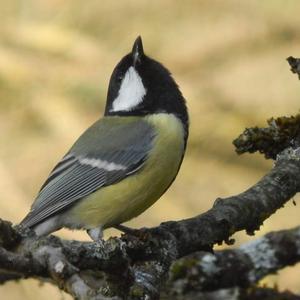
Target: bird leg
96,234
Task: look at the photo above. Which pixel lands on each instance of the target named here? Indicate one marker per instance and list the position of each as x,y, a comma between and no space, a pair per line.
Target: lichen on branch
282,132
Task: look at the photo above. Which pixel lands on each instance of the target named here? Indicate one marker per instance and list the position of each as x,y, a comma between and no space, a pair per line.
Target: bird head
140,85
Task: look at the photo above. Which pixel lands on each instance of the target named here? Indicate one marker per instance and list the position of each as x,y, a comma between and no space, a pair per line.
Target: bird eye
119,78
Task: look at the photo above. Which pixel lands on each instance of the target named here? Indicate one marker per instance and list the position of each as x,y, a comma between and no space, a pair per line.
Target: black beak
137,51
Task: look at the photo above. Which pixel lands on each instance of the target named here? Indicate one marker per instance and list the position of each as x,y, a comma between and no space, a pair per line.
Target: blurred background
228,57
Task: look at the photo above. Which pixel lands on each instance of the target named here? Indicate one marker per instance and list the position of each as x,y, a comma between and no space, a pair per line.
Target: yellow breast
128,198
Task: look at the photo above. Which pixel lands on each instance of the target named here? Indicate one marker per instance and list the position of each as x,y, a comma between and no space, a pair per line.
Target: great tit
125,161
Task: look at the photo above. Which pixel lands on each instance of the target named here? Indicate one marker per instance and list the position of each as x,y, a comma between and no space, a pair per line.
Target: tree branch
246,265
143,262
281,133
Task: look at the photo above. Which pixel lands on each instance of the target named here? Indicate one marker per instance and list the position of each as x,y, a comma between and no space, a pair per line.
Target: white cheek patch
131,93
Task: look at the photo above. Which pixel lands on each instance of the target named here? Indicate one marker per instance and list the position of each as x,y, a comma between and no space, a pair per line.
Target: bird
125,161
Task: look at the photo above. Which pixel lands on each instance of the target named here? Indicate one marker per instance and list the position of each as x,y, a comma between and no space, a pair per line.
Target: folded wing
105,154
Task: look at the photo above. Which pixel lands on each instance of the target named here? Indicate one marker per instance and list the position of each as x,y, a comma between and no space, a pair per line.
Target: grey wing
78,175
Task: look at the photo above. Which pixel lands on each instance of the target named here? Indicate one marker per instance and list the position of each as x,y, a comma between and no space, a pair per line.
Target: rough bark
241,267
